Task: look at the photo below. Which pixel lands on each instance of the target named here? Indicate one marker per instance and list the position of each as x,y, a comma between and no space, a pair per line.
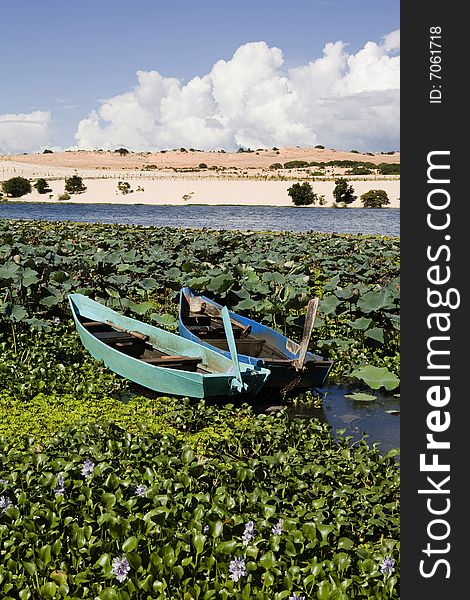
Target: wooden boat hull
283,371
214,378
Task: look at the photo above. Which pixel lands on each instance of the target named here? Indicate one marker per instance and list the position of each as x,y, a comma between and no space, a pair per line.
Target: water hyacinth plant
87,468
120,568
237,569
338,532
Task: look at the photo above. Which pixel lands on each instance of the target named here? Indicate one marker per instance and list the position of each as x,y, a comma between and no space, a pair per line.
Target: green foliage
268,277
64,196
124,187
343,193
122,151
208,469
16,187
376,377
359,171
302,194
375,199
74,185
275,166
320,146
179,517
41,186
296,164
389,168
202,165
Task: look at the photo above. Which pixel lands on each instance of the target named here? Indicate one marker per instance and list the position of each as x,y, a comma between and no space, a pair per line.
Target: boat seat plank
278,361
114,336
170,361
92,324
247,346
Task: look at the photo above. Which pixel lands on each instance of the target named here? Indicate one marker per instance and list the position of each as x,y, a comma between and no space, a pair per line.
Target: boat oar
308,327
238,381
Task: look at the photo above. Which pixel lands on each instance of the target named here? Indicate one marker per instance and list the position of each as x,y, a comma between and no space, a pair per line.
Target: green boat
160,360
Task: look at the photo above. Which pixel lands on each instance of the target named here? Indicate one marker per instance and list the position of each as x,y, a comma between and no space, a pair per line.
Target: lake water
256,218
378,420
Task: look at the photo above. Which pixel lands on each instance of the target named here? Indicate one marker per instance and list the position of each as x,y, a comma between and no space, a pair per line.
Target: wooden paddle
308,328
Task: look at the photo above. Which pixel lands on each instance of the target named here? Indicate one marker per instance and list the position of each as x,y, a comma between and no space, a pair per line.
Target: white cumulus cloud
341,100
24,132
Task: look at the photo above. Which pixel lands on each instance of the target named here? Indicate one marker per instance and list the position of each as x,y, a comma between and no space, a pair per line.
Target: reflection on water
378,420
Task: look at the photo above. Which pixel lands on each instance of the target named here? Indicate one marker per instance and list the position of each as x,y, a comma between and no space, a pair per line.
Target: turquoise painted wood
216,375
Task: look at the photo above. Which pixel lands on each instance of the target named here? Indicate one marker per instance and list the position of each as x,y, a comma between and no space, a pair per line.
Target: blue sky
65,58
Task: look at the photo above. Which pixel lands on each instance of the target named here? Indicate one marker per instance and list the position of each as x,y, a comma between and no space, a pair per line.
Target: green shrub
16,187
343,193
389,168
41,186
74,185
302,194
296,164
359,171
375,199
124,187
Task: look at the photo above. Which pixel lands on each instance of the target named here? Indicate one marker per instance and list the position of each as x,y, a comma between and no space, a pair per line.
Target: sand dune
250,183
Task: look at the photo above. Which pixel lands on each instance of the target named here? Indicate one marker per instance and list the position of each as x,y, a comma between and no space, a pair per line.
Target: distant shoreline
68,202
231,179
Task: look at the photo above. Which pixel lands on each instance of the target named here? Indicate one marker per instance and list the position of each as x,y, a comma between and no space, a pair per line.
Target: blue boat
292,366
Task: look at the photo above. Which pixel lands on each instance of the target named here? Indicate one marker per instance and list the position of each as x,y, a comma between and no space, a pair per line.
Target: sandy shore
246,184
180,192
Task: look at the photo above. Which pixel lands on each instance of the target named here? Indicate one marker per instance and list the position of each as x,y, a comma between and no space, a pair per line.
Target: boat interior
137,345
210,328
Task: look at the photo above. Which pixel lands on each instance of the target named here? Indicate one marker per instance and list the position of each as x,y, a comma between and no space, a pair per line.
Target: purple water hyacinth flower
205,529
3,482
249,533
5,504
387,566
120,568
87,468
140,490
59,486
57,320
277,529
237,568
296,597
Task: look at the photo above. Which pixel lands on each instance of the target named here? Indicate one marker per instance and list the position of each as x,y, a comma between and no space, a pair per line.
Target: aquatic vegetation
278,510
267,276
108,494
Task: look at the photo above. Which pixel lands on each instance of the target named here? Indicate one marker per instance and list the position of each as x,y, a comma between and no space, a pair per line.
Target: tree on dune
74,185
343,192
375,199
16,187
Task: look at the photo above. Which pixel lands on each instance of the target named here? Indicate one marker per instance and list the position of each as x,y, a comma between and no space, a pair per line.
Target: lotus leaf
377,377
